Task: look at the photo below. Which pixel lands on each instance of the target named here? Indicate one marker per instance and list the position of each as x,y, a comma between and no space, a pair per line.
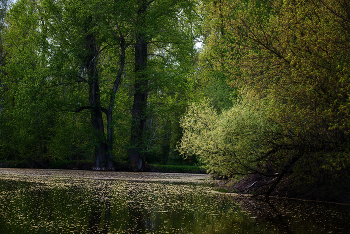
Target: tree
80,54
288,60
3,10
156,24
212,81
97,32
141,82
28,123
54,60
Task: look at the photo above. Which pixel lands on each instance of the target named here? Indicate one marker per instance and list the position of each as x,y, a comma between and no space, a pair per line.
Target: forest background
266,93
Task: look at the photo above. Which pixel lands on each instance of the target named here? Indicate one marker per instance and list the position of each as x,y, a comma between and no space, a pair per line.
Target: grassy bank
87,165
177,168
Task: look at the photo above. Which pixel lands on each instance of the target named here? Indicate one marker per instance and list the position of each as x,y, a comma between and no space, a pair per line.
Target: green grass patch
178,168
72,164
221,190
87,165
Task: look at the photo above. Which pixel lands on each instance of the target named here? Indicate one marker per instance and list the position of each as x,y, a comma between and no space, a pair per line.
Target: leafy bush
260,135
233,142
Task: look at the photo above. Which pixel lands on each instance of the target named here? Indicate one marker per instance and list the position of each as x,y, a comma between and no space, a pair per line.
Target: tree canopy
289,61
70,58
267,92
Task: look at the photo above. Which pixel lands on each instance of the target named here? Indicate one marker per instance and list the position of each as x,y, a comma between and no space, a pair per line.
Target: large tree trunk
109,112
110,133
136,157
92,51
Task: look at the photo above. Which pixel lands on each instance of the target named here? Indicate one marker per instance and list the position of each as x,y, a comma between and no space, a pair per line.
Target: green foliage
232,142
45,81
288,60
210,77
170,60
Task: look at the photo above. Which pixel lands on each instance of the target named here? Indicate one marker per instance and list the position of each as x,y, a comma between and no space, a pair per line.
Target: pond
63,201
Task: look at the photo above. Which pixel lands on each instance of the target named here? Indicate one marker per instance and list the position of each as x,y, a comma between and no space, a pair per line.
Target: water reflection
76,205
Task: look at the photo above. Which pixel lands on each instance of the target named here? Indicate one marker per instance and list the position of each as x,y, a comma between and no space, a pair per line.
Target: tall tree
98,32
157,23
90,61
212,80
59,55
288,60
76,53
26,67
3,10
136,157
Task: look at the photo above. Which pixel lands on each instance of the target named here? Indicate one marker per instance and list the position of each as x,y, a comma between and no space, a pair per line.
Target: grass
61,164
12,164
222,190
178,168
87,165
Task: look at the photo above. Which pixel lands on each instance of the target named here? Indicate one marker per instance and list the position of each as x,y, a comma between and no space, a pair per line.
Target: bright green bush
233,142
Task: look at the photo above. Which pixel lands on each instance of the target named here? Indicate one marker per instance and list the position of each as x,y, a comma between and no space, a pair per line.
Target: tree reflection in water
34,204
99,206
136,222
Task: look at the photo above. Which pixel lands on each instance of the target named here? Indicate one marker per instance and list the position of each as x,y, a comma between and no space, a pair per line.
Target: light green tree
292,56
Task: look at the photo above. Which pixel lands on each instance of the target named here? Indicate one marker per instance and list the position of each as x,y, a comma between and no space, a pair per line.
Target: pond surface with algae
64,201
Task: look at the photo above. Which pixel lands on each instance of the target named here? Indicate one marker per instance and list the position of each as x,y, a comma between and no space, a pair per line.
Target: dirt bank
325,188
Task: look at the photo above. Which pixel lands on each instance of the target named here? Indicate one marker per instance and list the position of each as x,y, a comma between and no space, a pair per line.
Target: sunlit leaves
293,55
232,142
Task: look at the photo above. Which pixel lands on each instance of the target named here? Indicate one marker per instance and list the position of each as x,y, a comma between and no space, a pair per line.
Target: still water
62,201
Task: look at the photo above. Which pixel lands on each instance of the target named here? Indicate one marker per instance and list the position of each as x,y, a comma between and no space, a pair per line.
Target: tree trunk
110,132
109,113
284,170
136,157
92,51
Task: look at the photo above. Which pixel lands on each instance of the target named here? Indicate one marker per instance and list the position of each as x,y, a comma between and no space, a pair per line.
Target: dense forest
99,80
240,87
